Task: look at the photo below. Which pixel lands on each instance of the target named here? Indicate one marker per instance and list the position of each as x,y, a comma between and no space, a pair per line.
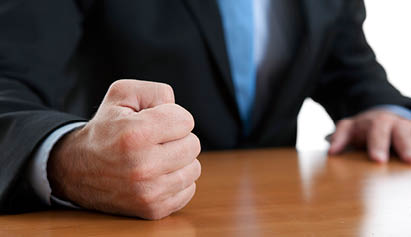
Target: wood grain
274,192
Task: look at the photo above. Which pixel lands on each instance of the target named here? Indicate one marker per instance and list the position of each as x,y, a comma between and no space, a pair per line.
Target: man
241,69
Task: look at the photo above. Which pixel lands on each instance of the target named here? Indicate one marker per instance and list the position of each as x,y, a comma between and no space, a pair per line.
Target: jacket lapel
206,14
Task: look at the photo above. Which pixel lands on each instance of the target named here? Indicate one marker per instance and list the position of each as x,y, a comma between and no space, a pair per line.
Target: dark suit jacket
57,59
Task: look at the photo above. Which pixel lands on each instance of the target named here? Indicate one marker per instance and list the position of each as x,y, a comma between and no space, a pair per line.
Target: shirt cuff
38,166
396,109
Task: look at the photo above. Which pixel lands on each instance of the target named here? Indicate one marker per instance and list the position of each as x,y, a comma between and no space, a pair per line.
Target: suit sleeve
37,38
352,80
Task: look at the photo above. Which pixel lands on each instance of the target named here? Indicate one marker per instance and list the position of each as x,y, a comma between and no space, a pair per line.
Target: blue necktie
238,24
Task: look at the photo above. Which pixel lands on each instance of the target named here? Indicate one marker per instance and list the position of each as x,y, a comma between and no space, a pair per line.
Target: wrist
60,163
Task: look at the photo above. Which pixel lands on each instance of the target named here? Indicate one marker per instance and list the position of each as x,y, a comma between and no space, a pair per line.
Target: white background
388,30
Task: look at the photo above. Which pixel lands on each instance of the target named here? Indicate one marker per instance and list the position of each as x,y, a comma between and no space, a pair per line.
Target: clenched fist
136,157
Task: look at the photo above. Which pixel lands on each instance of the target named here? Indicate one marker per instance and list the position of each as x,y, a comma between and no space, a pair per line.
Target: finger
341,138
138,95
181,199
163,123
401,138
165,158
182,179
171,205
180,153
378,141
173,156
170,184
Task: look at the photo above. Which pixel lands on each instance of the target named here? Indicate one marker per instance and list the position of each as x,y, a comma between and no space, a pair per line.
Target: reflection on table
261,193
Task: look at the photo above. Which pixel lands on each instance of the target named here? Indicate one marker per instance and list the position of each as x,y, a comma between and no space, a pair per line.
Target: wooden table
275,192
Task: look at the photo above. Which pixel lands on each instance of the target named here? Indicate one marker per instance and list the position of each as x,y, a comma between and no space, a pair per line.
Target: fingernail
380,156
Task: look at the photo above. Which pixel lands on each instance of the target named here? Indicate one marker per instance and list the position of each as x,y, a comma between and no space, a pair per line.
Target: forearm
351,80
35,45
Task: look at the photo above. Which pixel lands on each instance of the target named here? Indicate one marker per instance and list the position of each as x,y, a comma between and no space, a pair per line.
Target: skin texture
377,130
136,157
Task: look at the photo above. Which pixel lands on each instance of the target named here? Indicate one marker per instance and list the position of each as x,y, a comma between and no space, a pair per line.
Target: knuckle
402,129
124,145
180,178
127,142
148,198
383,117
195,144
380,125
191,192
166,91
142,171
117,88
156,214
132,152
154,211
194,189
179,114
137,189
197,168
403,124
344,122
190,146
187,119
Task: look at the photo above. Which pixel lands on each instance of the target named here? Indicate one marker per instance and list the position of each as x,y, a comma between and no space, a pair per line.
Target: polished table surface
273,192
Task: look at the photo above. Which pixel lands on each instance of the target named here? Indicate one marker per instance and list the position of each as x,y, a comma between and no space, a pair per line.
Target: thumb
138,95
342,136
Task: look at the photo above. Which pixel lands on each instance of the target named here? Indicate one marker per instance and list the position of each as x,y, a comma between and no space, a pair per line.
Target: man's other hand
136,157
377,130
